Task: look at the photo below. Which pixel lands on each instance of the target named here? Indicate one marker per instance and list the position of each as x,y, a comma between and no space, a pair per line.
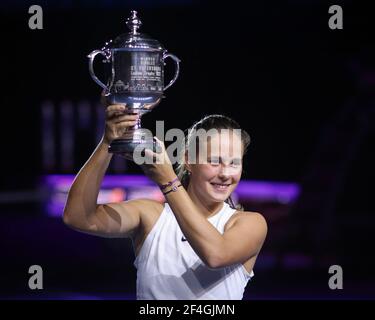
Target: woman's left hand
158,166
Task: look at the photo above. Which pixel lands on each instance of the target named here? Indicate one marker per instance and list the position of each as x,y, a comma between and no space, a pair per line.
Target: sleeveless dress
169,269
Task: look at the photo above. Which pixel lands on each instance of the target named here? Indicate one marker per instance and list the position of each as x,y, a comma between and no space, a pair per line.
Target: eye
214,161
236,162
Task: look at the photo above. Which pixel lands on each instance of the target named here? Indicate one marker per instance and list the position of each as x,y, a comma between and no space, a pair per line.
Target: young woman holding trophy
196,245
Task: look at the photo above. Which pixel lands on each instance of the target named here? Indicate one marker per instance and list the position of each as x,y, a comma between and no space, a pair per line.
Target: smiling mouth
220,186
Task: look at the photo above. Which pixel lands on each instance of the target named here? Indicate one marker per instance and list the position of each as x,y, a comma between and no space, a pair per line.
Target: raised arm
81,211
243,236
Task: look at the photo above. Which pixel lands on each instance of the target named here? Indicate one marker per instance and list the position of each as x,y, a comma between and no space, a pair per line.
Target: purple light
283,192
108,181
58,187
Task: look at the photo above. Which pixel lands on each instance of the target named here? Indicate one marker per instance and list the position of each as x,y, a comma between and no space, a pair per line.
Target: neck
205,208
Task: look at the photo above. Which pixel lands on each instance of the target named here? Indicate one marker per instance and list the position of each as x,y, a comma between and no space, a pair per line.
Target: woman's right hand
117,121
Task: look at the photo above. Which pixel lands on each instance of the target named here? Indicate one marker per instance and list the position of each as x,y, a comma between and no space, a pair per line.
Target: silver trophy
136,79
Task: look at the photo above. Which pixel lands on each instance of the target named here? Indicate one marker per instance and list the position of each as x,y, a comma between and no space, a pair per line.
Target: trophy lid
135,39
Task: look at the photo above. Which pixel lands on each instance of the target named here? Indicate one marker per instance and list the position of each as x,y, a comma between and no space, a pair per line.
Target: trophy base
126,147
135,102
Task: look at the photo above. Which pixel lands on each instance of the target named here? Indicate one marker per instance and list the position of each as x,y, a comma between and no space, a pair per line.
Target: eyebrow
221,159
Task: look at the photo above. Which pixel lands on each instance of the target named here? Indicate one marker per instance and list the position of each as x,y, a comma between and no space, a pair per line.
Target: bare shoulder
149,213
253,220
147,208
144,206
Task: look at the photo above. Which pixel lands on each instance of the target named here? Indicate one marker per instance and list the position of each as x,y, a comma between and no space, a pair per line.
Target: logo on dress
183,239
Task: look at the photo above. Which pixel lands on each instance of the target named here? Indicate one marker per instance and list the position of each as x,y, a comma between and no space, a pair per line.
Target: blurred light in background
116,188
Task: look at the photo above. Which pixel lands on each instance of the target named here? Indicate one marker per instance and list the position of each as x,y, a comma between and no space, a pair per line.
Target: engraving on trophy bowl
136,78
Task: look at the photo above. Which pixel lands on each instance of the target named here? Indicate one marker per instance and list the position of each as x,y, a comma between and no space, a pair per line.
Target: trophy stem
138,124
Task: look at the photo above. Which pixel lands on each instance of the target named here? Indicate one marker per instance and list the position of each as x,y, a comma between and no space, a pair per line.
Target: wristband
174,189
170,183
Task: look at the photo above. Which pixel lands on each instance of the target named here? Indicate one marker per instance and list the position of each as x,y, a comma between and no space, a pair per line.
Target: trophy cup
136,79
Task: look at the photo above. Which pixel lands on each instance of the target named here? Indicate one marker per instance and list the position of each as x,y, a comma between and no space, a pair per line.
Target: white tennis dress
169,269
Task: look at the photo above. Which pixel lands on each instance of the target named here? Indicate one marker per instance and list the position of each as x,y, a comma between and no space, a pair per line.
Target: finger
114,114
150,156
126,117
159,157
117,106
114,109
160,147
159,142
163,156
125,124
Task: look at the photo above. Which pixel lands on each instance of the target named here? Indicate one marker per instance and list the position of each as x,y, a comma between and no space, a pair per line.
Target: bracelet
170,183
174,189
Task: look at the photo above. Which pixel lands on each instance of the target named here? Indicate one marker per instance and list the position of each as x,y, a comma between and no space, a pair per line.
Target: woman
194,246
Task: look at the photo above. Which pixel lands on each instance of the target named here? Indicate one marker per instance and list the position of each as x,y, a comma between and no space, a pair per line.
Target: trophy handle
177,64
91,57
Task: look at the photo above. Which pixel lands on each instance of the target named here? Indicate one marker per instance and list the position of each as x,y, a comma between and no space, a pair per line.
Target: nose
224,172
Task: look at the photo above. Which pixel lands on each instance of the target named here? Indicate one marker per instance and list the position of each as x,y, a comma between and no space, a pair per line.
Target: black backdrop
274,66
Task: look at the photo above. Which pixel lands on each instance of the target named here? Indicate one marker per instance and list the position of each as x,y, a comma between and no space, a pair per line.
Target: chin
216,198
220,197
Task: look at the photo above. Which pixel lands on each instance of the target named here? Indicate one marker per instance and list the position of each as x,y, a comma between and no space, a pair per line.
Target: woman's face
219,167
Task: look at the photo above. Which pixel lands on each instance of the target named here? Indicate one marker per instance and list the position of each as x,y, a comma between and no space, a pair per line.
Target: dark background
304,92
